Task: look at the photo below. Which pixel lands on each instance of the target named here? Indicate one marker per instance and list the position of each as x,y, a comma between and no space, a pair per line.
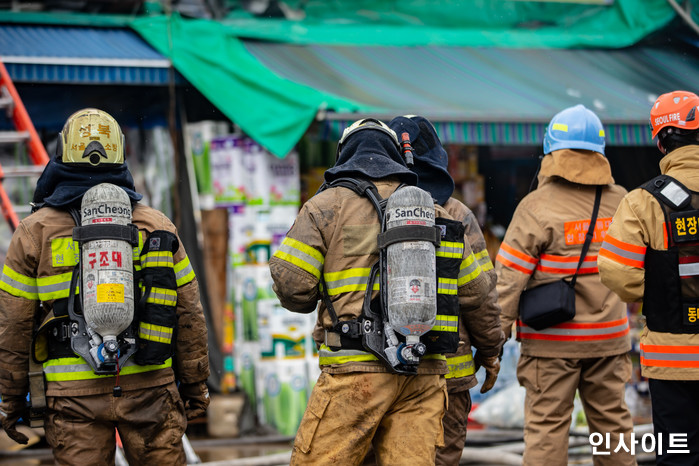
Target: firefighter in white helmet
545,243
99,311
651,255
363,395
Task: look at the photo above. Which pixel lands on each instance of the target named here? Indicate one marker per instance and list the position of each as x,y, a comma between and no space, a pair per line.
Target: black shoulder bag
554,303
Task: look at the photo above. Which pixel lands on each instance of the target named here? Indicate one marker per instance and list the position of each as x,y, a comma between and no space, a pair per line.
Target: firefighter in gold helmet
651,255
83,381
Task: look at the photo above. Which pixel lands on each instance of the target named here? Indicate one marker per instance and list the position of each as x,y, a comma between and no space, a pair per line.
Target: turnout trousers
151,422
401,414
550,385
675,405
454,423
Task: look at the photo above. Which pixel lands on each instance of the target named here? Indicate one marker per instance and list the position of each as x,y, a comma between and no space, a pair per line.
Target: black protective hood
63,186
370,154
431,159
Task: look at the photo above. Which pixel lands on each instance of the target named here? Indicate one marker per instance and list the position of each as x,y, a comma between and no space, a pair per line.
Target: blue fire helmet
574,128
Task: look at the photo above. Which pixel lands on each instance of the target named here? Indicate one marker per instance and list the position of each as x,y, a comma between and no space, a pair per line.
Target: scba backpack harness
371,331
671,296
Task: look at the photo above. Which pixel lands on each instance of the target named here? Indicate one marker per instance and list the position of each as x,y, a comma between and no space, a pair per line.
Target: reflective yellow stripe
64,252
184,273
154,332
162,296
327,356
469,270
157,259
17,284
354,279
483,259
446,323
54,286
301,255
450,250
460,366
447,286
67,369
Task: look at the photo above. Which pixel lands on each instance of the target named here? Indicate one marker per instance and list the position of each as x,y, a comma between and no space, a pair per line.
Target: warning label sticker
110,293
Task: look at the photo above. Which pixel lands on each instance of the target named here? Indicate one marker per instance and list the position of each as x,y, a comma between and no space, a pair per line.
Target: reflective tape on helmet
301,255
70,369
345,281
460,366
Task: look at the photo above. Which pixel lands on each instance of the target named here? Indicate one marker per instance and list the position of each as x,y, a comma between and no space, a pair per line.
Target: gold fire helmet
91,137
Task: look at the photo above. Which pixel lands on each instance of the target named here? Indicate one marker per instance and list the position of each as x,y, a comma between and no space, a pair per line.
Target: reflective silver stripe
640,257
670,356
484,259
184,272
516,260
687,270
354,279
154,260
573,330
446,323
589,262
450,249
447,286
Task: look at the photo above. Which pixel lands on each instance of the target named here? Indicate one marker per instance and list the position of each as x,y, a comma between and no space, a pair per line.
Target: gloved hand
492,367
11,409
195,397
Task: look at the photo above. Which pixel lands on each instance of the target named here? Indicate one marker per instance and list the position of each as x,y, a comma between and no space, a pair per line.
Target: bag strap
590,233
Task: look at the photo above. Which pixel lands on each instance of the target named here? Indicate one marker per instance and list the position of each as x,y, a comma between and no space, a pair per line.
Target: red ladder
25,133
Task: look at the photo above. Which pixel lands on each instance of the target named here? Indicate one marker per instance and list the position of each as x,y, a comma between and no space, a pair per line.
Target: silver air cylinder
107,269
412,298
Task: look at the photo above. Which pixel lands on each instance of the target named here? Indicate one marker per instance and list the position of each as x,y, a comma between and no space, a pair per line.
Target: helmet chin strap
660,147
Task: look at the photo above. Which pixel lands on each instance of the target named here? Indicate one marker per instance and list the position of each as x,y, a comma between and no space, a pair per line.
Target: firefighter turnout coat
543,244
37,273
478,327
639,226
335,235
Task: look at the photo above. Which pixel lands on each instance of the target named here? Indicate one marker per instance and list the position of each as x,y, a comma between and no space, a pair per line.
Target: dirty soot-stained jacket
335,234
33,274
478,327
543,244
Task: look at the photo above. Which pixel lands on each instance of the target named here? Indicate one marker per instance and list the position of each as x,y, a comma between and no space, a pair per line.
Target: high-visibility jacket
335,235
38,270
481,328
543,244
639,224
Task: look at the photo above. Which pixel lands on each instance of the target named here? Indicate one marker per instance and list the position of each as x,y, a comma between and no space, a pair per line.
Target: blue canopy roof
80,55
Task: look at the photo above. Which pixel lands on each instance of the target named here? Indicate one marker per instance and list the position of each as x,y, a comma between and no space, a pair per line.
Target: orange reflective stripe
550,263
623,253
578,331
514,259
682,356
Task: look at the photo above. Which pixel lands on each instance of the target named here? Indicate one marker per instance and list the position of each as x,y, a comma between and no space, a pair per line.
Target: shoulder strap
669,191
590,233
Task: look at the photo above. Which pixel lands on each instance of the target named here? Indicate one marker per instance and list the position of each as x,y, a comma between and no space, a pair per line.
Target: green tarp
276,112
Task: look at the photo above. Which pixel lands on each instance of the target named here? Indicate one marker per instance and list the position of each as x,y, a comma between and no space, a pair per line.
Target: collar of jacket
577,166
684,160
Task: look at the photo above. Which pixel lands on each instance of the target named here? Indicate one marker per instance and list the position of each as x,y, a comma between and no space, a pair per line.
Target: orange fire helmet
675,109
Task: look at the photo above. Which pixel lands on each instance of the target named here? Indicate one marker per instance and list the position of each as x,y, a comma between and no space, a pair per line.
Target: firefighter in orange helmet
543,244
85,381
650,255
